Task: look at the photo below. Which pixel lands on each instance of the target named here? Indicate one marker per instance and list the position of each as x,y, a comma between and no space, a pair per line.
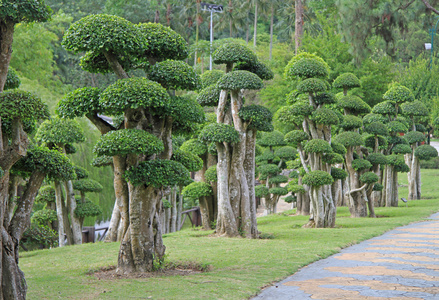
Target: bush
430,164
44,216
37,236
317,178
317,146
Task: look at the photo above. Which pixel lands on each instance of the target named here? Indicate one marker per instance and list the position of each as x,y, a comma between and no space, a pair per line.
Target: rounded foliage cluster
349,139
128,141
261,191
301,108
46,194
415,108
87,186
295,188
158,173
286,152
325,98
196,190
101,161
317,178
377,159
96,62
324,116
399,94
278,179
281,191
377,128
80,102
311,85
353,104
426,152
12,80
134,93
219,133
286,116
338,174
372,118
44,216
421,128
175,75
211,77
396,127
369,177
378,187
189,160
318,146
338,148
268,170
401,149
351,122
104,33
163,42
369,141
266,156
60,131
87,209
333,158
80,172
230,53
271,139
258,117
384,108
211,175
209,96
194,146
186,113
257,68
295,137
346,80
414,137
237,80
307,67
361,164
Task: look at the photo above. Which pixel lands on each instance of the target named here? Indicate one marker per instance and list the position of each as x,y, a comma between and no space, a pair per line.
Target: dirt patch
178,269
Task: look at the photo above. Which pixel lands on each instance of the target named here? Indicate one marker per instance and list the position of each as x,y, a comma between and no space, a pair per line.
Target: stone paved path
401,264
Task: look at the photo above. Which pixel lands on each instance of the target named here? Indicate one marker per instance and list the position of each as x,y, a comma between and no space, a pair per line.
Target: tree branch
358,190
430,7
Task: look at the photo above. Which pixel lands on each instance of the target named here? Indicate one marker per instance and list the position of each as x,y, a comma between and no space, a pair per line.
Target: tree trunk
59,213
174,209
204,210
271,32
121,192
111,235
299,25
318,206
179,210
76,222
6,38
249,169
255,27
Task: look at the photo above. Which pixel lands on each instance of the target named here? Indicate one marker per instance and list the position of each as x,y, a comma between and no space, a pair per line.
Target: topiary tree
84,207
236,144
117,45
198,191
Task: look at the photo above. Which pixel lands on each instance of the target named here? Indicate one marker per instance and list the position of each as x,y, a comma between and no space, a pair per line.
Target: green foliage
104,33
377,128
301,108
277,180
194,146
158,173
353,104
268,170
134,93
101,161
271,139
346,80
421,128
163,42
12,80
80,172
369,177
295,137
414,137
286,152
24,11
378,187
80,102
41,235
401,149
21,105
186,113
324,116
196,190
265,157
87,209
44,216
361,164
377,159
286,117
230,53
175,75
281,191
351,122
290,199
338,148
305,65
46,194
414,109
219,133
425,152
261,191
369,141
189,160
349,139
87,186
96,62
237,80
399,94
384,108
317,146
128,141
258,117
211,175
54,164
70,149
372,118
338,174
333,158
209,96
325,98
257,68
59,131
295,188
396,127
317,178
311,85
211,77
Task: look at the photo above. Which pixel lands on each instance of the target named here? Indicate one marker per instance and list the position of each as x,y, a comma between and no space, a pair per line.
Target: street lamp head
211,7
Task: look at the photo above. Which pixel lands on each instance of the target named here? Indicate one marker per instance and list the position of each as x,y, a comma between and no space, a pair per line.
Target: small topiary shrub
261,191
211,175
258,117
351,122
87,186
377,159
414,137
426,152
399,94
401,149
237,80
189,160
87,209
377,128
278,179
175,75
230,53
349,139
317,178
211,77
361,164
346,80
44,216
219,133
281,191
194,146
369,178
338,174
209,96
317,146
295,137
271,139
46,194
196,190
311,85
324,116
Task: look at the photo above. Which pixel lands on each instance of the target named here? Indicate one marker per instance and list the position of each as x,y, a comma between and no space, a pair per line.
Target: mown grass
240,267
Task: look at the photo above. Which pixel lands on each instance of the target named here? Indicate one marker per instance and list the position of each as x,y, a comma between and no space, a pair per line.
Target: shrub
317,178
361,164
369,177
317,146
237,80
196,190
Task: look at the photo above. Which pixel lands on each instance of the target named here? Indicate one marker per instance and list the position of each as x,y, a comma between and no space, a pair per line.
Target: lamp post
211,8
431,46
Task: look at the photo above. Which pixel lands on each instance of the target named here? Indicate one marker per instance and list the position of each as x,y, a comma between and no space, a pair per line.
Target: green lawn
240,267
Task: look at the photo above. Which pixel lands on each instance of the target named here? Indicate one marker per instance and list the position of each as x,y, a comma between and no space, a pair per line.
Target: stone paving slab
400,264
